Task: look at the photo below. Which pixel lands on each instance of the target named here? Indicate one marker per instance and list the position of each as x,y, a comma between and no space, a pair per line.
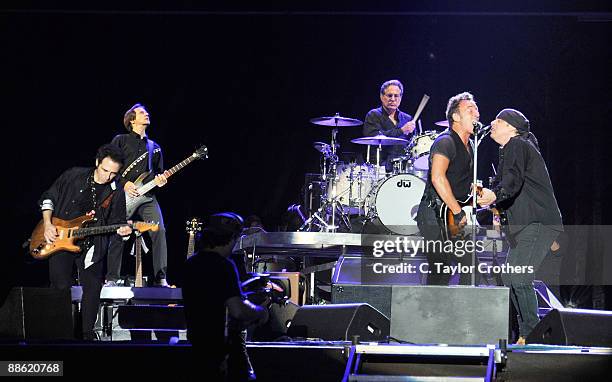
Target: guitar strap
150,151
107,201
140,158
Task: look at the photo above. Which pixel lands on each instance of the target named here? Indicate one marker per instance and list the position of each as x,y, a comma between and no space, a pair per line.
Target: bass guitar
70,231
133,202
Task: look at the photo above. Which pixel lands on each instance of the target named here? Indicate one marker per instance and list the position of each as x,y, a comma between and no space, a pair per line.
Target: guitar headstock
201,153
145,226
194,225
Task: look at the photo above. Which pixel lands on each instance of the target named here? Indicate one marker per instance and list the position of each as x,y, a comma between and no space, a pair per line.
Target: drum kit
388,199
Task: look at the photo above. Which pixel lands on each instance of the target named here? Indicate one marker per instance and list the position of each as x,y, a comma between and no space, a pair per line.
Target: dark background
246,79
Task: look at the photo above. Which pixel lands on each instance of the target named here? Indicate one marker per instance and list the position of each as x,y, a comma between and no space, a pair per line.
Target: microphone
479,128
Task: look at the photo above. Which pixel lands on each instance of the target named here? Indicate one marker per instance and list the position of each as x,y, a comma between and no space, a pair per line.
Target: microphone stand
477,129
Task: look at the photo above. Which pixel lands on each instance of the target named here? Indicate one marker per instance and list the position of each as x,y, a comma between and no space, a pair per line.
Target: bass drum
395,202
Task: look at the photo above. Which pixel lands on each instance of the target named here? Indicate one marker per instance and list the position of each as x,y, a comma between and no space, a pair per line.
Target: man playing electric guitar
142,155
76,192
449,180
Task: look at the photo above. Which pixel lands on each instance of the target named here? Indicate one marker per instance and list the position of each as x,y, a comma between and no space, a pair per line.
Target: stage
327,361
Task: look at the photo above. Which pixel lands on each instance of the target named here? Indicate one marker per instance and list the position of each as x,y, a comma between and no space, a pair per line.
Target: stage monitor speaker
578,327
36,314
455,315
339,322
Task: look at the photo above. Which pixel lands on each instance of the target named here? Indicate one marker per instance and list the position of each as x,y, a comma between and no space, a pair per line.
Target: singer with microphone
524,191
449,180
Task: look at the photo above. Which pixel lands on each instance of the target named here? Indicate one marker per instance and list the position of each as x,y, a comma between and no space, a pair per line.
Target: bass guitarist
142,154
76,192
448,180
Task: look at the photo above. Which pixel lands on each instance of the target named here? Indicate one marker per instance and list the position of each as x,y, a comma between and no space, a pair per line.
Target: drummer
389,120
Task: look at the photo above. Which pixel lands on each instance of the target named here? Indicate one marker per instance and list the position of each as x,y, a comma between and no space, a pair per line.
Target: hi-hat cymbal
380,139
443,123
336,121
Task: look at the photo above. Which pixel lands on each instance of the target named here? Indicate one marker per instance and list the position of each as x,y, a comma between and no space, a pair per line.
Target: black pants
61,267
532,245
430,229
149,212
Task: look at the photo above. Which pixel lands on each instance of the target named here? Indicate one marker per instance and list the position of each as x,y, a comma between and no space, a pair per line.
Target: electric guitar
451,229
69,231
193,226
133,202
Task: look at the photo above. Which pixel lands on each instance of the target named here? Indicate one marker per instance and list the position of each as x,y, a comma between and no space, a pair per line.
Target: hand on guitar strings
487,198
162,179
130,189
126,230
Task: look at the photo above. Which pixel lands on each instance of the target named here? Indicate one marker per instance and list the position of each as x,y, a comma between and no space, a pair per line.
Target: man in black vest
78,191
449,180
142,154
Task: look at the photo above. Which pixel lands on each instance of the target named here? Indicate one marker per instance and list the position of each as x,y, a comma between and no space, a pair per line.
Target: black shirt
523,187
377,122
459,172
209,281
133,146
72,197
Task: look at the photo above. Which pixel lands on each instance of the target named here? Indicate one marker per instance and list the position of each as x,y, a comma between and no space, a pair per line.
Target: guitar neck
82,232
151,185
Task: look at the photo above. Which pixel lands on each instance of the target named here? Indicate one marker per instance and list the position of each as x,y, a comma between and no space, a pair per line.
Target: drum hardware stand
332,202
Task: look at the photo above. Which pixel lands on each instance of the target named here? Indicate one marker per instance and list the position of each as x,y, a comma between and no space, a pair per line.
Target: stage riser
436,314
151,317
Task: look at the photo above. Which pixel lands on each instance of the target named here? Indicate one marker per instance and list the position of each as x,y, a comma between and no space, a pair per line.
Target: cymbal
380,139
336,121
443,123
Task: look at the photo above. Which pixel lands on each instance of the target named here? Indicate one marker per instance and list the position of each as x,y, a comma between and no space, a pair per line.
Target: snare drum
395,202
401,165
419,149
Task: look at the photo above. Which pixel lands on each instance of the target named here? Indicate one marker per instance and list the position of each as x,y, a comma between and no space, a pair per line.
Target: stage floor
316,360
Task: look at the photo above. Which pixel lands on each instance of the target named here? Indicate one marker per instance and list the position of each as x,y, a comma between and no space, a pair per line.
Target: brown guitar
193,226
69,231
452,229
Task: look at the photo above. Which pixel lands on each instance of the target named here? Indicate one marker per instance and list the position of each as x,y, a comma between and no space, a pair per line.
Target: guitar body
452,228
69,231
39,249
132,203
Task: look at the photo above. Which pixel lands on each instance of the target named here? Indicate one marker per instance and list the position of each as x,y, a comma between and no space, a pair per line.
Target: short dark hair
453,105
386,84
110,151
130,115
